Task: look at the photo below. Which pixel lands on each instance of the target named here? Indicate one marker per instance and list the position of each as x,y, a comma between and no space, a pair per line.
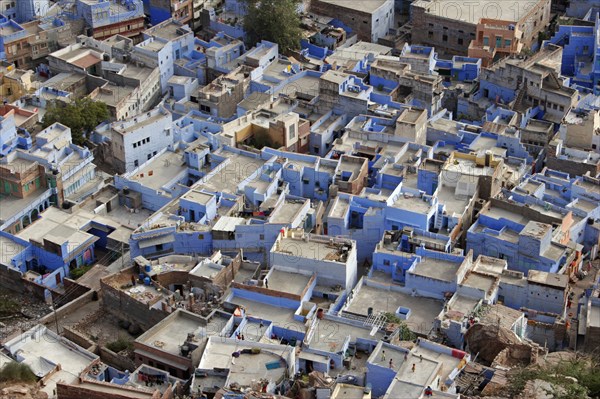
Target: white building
332,259
136,140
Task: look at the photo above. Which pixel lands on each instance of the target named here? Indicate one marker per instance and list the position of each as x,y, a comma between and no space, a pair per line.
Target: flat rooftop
161,170
446,361
497,313
10,206
340,207
330,335
461,306
479,281
280,316
287,211
365,6
172,332
86,61
550,279
423,310
472,12
197,197
248,368
168,30
292,283
437,269
412,203
467,167
317,249
455,204
227,178
42,350
394,353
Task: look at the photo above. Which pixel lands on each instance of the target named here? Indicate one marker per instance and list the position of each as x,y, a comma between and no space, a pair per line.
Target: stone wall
114,359
123,306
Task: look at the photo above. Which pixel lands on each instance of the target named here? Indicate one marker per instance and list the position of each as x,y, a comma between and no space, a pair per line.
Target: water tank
148,268
147,281
370,311
141,276
185,350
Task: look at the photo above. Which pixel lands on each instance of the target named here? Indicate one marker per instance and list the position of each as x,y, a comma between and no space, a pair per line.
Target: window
394,227
498,41
261,236
431,25
149,156
486,41
430,34
204,108
292,130
586,49
201,236
134,145
386,262
445,38
507,43
460,40
159,247
136,163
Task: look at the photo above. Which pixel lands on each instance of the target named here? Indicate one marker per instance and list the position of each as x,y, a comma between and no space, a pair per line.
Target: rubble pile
499,346
22,391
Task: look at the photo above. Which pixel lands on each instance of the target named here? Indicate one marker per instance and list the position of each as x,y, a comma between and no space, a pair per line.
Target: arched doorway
26,221
34,215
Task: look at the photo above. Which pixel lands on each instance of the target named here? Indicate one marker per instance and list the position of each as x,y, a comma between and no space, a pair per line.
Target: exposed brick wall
359,21
157,354
265,291
93,390
67,309
125,307
77,338
11,279
174,277
114,359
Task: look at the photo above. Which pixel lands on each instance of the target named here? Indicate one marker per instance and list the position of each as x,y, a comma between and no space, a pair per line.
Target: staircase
518,104
376,322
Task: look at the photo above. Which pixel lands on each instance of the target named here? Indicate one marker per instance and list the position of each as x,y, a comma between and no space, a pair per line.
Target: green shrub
77,273
119,345
17,372
9,307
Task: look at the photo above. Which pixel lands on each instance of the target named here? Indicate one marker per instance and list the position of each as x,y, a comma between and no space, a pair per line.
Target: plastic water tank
147,268
147,281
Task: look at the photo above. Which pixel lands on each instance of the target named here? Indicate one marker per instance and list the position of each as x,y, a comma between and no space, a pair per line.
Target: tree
274,20
16,372
82,116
